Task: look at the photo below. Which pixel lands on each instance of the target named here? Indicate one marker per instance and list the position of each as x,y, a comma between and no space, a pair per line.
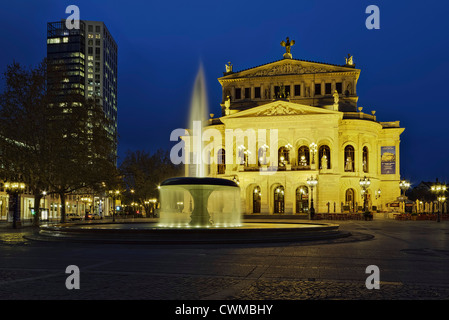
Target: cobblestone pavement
412,256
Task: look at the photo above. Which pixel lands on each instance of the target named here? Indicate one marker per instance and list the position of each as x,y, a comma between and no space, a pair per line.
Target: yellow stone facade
309,105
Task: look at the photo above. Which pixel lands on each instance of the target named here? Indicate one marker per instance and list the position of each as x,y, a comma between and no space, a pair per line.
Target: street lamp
364,184
14,189
115,194
439,189
404,185
312,182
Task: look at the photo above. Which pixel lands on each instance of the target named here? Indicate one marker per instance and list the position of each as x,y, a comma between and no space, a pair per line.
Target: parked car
92,216
73,217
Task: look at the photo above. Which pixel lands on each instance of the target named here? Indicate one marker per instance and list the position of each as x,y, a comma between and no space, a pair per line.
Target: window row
285,91
304,158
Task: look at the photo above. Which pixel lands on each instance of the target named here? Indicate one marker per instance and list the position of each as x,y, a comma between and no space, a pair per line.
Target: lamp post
132,204
312,182
439,189
115,194
404,185
364,184
14,189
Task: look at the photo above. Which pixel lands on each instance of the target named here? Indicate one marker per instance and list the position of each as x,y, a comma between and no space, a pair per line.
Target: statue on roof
287,44
228,67
349,60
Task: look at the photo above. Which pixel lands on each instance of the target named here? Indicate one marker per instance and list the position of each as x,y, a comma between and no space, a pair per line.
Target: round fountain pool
194,210
153,233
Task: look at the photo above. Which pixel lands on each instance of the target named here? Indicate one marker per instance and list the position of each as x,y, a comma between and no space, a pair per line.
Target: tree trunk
62,199
37,206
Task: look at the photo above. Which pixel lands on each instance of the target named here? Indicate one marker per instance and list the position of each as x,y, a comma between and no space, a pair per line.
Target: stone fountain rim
199,181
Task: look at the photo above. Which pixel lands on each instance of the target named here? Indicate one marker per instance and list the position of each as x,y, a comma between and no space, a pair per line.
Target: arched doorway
350,200
279,199
256,199
302,199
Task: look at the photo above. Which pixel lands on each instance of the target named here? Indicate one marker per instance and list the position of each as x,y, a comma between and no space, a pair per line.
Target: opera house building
323,147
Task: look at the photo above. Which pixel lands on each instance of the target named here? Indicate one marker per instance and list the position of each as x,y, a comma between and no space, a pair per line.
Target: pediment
288,67
281,108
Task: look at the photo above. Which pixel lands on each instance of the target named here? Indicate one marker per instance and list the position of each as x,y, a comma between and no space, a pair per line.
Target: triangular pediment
287,67
280,108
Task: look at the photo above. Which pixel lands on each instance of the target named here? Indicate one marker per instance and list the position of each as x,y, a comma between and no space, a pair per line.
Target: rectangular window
257,92
90,28
54,40
277,91
90,50
238,93
338,87
287,91
97,28
317,89
328,88
247,93
297,89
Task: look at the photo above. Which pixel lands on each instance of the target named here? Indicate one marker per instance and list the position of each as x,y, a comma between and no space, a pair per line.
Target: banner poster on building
388,160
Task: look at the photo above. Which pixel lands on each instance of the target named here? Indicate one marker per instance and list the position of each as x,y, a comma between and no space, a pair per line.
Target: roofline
329,64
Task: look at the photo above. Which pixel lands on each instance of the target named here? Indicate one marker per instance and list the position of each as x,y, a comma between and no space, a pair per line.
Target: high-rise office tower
89,57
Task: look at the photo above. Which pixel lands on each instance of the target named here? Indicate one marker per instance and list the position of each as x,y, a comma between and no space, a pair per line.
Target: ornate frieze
279,110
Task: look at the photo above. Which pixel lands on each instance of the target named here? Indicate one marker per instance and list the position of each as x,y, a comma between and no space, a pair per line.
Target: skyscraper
89,58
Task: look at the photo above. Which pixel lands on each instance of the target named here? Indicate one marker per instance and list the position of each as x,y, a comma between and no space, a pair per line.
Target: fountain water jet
197,201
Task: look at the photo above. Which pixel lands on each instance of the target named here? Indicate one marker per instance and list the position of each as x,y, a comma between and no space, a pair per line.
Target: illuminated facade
321,133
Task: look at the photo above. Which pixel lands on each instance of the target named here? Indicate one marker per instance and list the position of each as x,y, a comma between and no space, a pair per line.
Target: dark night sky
162,43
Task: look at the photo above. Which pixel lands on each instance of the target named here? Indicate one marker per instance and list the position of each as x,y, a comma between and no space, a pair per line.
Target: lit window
65,39
90,36
53,40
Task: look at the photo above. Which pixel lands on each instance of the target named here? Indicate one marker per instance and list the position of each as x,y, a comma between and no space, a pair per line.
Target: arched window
350,199
256,199
349,158
283,156
303,157
279,199
365,158
221,161
302,199
324,156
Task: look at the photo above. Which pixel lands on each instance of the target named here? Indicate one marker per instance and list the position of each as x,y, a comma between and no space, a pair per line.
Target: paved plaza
412,257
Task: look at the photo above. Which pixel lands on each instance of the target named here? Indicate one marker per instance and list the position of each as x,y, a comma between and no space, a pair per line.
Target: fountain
194,209
198,201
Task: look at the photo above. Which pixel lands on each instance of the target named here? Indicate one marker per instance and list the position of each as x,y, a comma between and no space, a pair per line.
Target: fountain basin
199,202
151,233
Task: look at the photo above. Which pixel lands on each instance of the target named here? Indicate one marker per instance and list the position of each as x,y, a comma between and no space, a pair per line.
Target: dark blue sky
161,44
